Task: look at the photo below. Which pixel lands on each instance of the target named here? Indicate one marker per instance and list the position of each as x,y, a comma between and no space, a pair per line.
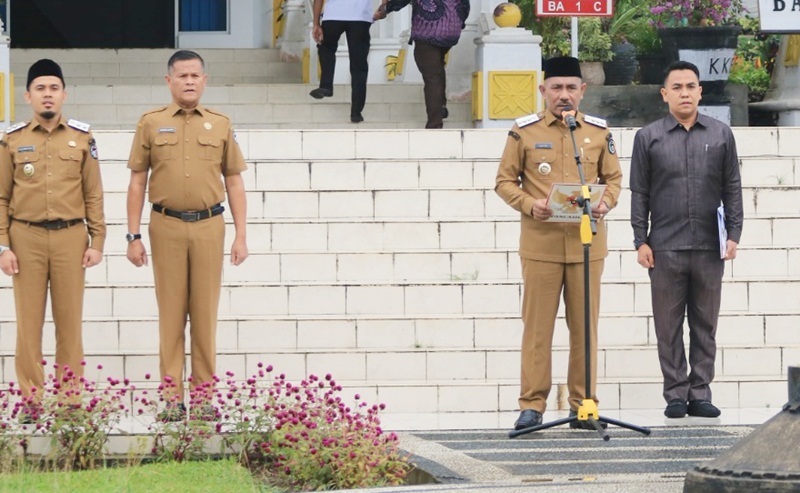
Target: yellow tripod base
588,409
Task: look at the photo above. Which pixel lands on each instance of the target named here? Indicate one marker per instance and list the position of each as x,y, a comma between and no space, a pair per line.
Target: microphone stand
587,412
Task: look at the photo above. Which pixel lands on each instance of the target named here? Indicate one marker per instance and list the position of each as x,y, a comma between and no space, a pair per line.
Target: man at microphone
538,153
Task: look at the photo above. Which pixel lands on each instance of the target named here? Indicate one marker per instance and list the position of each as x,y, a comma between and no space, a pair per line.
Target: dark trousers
686,283
430,61
357,33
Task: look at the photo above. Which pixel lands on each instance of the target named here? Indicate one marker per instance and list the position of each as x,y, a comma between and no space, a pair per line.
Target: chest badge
28,170
207,126
72,143
587,140
545,169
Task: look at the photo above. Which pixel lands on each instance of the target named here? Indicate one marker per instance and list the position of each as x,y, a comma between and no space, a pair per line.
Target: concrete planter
593,73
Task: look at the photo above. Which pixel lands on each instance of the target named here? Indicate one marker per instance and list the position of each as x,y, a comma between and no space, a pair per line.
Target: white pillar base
506,49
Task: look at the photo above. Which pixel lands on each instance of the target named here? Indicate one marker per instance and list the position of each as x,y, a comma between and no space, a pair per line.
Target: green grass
214,476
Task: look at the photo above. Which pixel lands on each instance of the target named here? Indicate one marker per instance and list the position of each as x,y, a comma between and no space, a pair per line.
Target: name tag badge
26,149
543,145
166,130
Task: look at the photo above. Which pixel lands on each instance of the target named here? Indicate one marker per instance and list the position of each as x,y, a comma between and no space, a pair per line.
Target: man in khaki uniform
187,150
539,153
50,194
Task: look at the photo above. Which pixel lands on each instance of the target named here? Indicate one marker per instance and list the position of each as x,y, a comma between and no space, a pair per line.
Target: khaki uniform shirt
48,176
543,138
187,152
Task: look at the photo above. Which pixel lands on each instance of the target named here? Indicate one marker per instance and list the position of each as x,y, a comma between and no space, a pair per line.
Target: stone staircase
112,88
385,258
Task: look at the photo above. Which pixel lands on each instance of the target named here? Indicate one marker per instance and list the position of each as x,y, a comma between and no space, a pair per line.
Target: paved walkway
564,460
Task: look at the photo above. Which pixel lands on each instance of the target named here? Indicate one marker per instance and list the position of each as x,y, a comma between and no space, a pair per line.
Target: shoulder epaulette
16,126
155,110
597,122
527,120
78,125
215,112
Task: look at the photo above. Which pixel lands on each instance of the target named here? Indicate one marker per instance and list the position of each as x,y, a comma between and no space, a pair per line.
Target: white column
783,96
462,57
385,41
298,16
507,48
5,69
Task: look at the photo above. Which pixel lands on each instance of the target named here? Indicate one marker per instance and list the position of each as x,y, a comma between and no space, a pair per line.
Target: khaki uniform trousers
543,286
187,264
45,257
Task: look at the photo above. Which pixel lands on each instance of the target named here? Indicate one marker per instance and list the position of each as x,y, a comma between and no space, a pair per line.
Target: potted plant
643,35
704,32
621,70
594,48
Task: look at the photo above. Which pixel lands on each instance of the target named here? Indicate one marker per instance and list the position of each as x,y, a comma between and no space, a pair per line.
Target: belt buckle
190,216
55,225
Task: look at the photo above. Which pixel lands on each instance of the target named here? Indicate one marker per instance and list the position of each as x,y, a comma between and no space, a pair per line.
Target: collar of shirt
672,123
62,122
173,109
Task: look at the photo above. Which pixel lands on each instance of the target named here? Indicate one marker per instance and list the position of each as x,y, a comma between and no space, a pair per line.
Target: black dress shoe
583,425
356,118
703,409
676,408
445,113
528,418
320,93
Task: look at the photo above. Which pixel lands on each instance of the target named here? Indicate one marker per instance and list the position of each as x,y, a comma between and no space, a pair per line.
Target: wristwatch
133,236
3,248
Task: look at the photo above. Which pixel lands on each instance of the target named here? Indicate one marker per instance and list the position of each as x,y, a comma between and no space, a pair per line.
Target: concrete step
444,382
379,145
109,67
381,333
419,306
274,105
386,268
410,298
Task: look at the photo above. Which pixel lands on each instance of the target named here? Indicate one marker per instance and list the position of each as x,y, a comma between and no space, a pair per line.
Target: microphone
568,115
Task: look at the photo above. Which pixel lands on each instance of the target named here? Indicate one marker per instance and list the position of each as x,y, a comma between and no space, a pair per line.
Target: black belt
191,216
52,225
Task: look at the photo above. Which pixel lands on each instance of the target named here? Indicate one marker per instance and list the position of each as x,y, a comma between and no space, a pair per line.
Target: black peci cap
562,66
42,68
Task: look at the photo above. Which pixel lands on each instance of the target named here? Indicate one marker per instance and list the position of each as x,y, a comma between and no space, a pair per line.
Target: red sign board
574,8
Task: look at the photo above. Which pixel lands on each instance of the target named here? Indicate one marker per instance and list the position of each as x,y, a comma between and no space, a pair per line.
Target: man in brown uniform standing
50,194
539,153
187,149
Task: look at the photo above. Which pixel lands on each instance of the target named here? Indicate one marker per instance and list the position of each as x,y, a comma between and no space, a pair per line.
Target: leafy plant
754,59
304,437
555,31
696,13
77,413
643,35
626,13
182,438
313,439
594,45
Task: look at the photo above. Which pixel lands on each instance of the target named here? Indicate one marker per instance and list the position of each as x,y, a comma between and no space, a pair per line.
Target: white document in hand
723,232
